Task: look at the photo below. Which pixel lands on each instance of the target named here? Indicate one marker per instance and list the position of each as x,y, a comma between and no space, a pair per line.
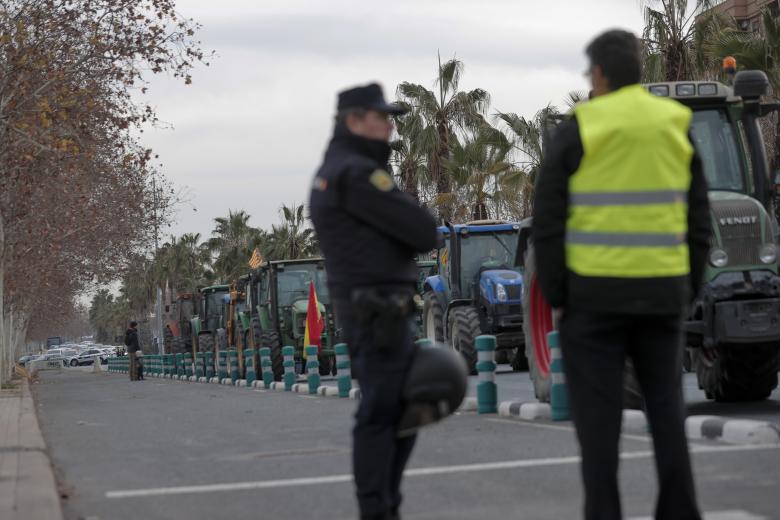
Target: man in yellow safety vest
621,230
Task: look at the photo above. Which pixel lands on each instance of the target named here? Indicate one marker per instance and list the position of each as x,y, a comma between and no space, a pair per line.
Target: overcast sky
251,129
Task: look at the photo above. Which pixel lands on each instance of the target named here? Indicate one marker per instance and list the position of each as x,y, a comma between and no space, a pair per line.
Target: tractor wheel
222,339
205,343
502,357
167,340
256,331
327,365
177,345
270,339
464,330
744,374
537,323
688,359
432,318
518,361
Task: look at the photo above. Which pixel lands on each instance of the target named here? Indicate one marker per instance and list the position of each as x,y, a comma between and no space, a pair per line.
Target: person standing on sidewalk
621,229
369,232
131,342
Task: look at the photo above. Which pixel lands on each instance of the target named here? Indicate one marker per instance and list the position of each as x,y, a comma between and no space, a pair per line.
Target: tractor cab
477,290
210,322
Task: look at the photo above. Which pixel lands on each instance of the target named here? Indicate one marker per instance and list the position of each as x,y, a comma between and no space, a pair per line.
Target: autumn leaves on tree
75,190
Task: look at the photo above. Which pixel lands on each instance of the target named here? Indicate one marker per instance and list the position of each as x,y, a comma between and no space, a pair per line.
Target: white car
50,357
88,357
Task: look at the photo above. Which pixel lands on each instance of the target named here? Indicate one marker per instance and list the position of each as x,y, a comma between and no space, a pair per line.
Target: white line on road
417,472
556,427
719,515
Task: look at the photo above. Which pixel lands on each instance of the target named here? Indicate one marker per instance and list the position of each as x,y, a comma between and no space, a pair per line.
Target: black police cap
369,97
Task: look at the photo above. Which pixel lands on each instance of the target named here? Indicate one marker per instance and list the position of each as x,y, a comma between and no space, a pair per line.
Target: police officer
369,232
621,231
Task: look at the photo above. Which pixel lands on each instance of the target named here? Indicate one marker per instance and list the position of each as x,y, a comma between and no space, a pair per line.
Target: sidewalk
27,487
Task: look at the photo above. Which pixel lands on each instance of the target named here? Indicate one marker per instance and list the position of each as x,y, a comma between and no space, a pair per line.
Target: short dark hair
618,54
133,324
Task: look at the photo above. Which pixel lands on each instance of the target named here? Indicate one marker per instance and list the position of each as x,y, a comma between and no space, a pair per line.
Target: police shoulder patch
319,184
381,180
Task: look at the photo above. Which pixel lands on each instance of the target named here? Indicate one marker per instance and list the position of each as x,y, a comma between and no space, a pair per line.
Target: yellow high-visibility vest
628,201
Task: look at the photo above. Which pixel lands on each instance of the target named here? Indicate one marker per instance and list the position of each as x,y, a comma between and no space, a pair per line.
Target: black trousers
378,456
595,347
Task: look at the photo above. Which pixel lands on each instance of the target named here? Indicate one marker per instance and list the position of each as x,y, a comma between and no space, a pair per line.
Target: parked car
49,357
88,357
24,359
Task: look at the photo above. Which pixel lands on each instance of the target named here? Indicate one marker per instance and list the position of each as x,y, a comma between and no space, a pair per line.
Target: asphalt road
162,449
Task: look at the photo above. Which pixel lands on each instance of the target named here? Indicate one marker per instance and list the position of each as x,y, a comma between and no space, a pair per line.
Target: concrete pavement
168,449
28,489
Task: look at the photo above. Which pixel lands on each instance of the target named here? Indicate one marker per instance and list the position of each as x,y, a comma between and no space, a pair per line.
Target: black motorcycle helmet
434,388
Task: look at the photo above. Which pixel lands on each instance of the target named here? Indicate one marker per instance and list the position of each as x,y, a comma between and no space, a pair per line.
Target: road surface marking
416,472
717,515
562,428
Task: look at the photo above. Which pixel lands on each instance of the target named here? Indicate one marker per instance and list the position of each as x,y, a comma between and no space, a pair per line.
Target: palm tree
444,112
409,151
528,142
292,238
674,35
232,244
480,168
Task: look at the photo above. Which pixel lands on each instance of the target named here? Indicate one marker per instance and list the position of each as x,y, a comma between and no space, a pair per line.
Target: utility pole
158,325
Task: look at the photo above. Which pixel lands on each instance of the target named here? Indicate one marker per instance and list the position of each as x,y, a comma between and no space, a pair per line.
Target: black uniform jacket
563,288
131,340
369,231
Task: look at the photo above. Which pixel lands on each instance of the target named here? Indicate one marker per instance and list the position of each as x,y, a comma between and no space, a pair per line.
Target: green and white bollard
487,394
343,369
222,371
289,367
559,398
267,367
249,365
200,368
233,365
188,366
209,360
312,369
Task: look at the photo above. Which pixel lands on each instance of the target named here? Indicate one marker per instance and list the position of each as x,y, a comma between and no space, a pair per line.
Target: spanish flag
256,259
314,322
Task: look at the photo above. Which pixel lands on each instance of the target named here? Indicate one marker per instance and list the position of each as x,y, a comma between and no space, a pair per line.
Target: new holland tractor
208,325
733,327
279,296
477,291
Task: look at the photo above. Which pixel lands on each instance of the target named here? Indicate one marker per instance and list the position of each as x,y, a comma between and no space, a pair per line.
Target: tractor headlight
718,257
768,253
501,292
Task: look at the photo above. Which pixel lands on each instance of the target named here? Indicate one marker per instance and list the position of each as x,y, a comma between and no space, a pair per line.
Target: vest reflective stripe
628,211
627,197
624,239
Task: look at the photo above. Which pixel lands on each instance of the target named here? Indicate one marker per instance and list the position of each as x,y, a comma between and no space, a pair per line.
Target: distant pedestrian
621,230
131,342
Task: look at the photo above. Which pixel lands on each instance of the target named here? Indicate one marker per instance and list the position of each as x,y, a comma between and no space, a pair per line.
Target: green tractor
279,297
208,325
733,328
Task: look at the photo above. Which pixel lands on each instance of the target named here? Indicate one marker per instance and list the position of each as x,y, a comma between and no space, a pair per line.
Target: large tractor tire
222,339
177,345
205,343
432,318
737,374
537,323
464,329
517,360
257,331
327,365
270,339
502,357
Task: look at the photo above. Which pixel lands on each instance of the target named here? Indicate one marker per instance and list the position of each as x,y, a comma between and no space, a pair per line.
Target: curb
731,431
527,411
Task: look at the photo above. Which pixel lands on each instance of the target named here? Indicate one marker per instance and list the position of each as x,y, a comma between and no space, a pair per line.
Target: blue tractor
478,290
